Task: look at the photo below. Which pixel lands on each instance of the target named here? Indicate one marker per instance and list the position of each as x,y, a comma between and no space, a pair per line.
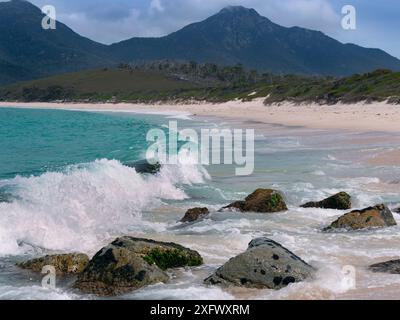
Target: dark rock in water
392,267
116,270
373,217
397,210
262,201
72,263
130,263
265,264
5,197
164,254
195,214
340,201
143,166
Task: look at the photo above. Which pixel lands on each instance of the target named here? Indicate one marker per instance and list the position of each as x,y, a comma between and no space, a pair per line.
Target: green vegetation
166,259
183,82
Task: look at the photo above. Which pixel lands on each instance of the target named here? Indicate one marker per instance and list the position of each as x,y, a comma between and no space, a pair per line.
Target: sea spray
85,204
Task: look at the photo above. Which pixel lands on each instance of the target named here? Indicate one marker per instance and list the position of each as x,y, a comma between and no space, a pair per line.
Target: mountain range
233,35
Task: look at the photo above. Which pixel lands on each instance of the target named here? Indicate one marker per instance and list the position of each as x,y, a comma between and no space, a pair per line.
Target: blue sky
108,21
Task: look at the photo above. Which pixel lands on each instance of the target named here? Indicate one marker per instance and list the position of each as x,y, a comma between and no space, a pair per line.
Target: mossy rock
72,263
340,201
195,214
115,270
165,255
167,259
378,216
131,263
261,201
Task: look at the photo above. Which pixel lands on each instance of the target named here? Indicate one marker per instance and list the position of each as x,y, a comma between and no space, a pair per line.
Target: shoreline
374,117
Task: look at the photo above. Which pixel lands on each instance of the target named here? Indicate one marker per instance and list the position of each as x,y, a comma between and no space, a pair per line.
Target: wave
85,204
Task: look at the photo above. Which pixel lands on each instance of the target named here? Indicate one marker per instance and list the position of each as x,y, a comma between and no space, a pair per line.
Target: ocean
65,187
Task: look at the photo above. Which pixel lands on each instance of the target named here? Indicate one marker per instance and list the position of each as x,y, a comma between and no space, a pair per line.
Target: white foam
35,293
87,204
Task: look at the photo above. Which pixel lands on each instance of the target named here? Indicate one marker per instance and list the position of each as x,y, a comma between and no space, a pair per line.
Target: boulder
340,201
392,266
131,263
195,214
261,201
72,263
143,166
265,264
397,210
373,217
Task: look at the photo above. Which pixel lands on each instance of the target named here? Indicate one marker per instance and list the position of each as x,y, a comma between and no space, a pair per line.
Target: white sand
355,117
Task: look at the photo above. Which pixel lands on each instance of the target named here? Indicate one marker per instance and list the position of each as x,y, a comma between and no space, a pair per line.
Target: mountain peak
238,10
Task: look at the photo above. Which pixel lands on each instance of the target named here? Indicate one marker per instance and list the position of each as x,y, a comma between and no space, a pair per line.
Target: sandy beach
66,168
356,117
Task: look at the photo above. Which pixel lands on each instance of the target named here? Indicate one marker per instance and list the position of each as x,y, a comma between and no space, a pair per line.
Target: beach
357,117
75,183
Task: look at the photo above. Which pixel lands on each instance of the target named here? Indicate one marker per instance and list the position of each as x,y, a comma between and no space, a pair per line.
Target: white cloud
156,5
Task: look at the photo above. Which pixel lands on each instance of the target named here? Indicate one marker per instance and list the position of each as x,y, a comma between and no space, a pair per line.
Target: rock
392,267
262,201
195,214
340,201
397,210
130,263
379,216
5,197
72,263
265,264
143,166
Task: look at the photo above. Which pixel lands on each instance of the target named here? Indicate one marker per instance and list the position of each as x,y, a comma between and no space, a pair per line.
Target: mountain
234,35
240,35
27,51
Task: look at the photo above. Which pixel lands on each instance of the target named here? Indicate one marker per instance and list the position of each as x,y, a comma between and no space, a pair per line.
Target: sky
109,21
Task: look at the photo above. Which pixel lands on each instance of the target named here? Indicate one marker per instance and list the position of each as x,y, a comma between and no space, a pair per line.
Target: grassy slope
150,86
97,85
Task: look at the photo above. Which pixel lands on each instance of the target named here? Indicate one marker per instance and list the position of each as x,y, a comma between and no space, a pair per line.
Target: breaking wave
85,204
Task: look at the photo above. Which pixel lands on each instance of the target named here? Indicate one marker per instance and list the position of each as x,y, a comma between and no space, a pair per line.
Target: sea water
67,189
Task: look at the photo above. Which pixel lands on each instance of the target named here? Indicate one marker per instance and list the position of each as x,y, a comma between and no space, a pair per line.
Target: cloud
156,5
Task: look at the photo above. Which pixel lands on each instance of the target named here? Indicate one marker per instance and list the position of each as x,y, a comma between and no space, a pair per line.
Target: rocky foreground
265,264
128,263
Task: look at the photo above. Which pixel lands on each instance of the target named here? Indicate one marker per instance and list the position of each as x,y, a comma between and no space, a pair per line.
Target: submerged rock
195,214
373,217
143,166
262,201
340,201
131,263
265,264
392,266
72,263
5,197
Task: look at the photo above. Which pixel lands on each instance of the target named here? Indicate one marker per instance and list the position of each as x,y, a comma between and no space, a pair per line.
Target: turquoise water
36,141
70,191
